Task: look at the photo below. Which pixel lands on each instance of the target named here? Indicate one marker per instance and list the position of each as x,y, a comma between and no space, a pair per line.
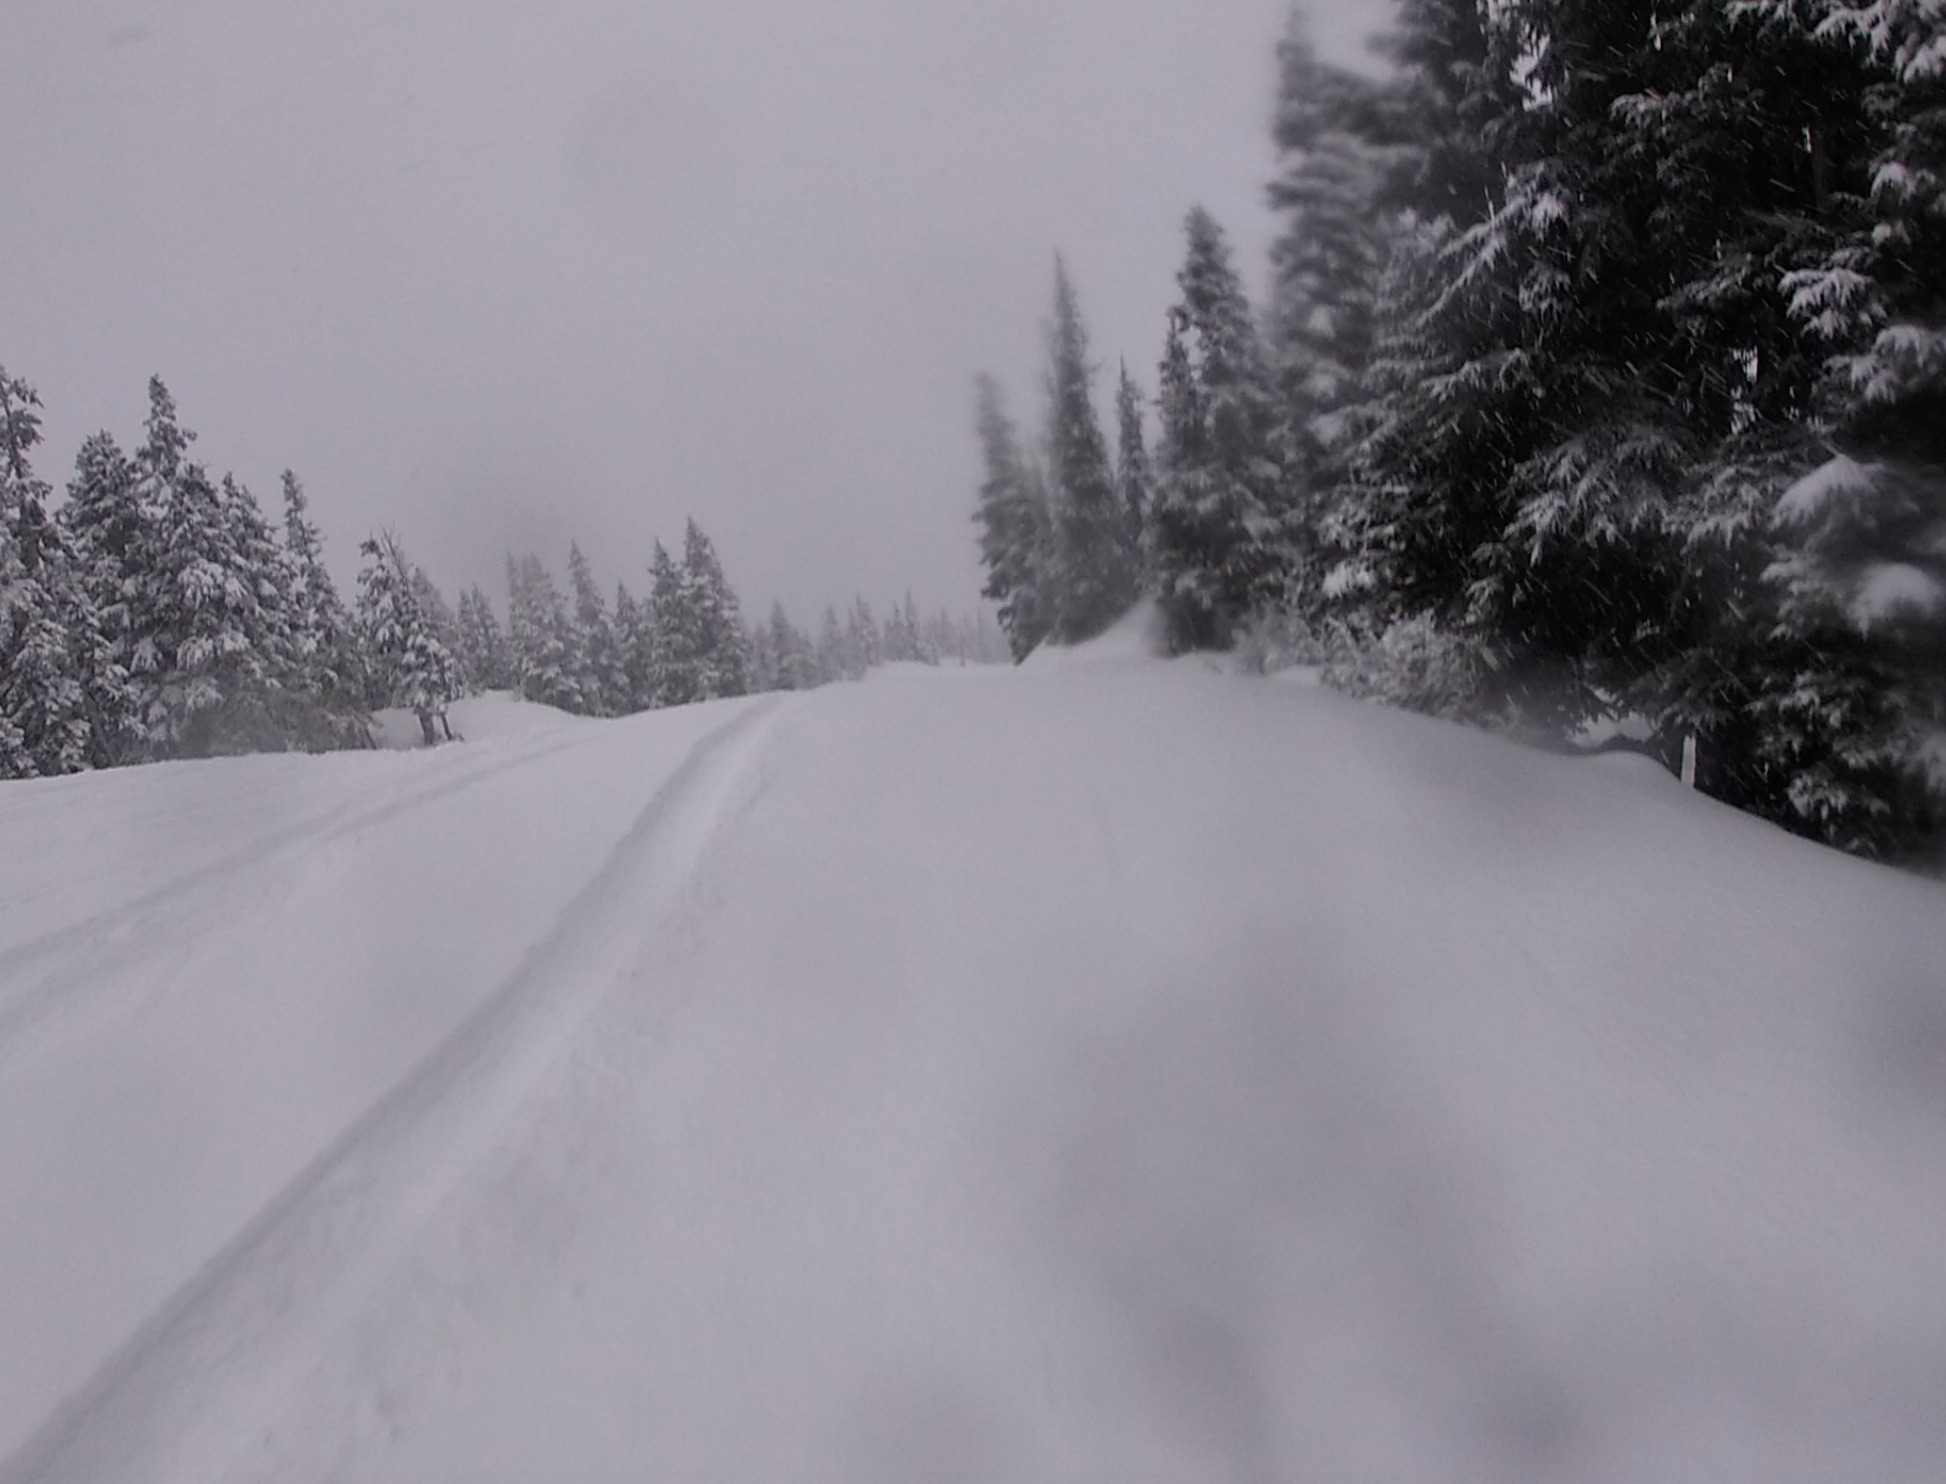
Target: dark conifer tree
328,686
1134,478
62,694
675,677
603,682
635,643
1016,529
1095,569
1221,518
721,657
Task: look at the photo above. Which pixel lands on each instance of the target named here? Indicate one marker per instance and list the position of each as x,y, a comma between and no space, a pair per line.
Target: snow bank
1136,635
494,715
1108,1072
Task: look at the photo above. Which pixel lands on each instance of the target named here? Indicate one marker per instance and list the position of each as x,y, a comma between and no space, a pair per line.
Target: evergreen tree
109,532
1134,479
1858,723
790,652
864,641
1346,146
1222,543
482,648
1016,529
714,620
327,686
676,642
61,693
830,653
202,642
410,666
604,681
263,705
539,638
1094,577
635,642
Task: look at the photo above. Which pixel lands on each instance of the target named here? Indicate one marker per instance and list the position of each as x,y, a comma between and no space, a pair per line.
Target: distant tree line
156,613
1603,375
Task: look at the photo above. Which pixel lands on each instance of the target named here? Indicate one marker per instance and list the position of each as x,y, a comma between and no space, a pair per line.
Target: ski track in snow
1132,1075
79,961
187,1394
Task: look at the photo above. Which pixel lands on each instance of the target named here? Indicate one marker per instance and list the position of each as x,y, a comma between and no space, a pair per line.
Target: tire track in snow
78,962
192,1387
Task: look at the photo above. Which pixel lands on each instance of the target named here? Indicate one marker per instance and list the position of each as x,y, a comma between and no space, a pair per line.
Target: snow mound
1139,634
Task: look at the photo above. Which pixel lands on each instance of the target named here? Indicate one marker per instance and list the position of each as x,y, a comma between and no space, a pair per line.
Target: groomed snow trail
248,954
196,1386
1116,1071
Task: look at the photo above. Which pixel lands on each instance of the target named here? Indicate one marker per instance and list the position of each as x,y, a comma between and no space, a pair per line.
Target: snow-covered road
1101,1071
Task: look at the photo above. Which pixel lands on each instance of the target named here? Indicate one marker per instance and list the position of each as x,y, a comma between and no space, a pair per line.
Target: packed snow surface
1107,1070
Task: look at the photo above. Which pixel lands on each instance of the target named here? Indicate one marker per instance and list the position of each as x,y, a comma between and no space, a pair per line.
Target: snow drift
1095,1071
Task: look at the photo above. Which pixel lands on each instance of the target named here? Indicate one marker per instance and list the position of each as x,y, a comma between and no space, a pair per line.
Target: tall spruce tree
328,686
1347,149
1016,528
675,666
482,649
203,626
1134,478
1095,569
1856,723
635,642
1222,514
603,682
107,527
540,639
409,665
62,694
721,654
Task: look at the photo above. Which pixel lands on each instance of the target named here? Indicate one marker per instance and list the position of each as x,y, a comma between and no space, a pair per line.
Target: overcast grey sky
501,272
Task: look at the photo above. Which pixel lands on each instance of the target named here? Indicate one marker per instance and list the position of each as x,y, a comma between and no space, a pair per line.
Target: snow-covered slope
1106,1070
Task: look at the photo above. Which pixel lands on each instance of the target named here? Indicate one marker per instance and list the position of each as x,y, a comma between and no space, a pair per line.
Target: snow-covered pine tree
328,688
482,650
603,680
1854,726
62,694
635,643
675,647
722,661
409,664
201,653
1134,478
1220,515
1344,142
439,613
789,647
1016,528
261,705
864,640
1095,568
830,652
109,532
539,638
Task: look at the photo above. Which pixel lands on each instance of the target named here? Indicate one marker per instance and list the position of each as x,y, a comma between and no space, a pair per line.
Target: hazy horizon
502,275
